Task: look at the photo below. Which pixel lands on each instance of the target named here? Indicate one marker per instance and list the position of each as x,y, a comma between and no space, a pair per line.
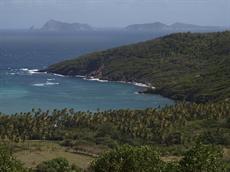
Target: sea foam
29,71
95,79
55,74
47,83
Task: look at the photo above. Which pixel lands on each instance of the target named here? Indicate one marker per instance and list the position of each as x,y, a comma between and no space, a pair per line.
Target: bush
8,163
57,165
129,159
203,158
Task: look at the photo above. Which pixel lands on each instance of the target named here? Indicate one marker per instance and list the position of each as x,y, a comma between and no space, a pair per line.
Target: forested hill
183,66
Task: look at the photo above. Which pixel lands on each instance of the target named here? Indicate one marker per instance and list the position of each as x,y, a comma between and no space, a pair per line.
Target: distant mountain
192,27
57,26
147,27
157,27
176,27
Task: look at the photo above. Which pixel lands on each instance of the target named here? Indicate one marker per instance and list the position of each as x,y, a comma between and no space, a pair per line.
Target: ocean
22,88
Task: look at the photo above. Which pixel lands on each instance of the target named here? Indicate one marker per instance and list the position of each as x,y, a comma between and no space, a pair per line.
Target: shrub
129,159
8,163
57,165
203,158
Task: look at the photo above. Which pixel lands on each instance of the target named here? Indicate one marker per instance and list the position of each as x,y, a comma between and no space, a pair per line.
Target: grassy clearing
31,153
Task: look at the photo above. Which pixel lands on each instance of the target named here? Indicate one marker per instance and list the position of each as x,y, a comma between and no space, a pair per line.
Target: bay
22,88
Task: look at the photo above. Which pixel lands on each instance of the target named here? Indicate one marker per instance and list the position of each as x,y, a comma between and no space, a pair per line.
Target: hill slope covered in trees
183,66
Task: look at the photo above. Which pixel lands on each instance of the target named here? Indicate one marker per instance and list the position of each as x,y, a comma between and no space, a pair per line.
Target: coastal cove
24,89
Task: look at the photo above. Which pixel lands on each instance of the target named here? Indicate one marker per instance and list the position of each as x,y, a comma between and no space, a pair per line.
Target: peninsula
183,66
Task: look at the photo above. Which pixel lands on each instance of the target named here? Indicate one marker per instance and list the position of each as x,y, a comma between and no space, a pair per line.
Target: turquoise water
22,89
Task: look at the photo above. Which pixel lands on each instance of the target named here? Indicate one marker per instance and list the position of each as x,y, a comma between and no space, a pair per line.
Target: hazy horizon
21,14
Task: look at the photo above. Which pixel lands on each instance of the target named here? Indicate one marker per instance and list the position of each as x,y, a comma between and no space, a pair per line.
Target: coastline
149,89
91,78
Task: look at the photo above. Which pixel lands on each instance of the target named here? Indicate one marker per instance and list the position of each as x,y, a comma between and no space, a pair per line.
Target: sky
15,14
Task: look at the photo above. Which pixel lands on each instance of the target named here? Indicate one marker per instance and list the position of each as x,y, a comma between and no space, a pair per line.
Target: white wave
50,79
143,85
29,71
95,79
55,74
11,73
47,83
140,84
39,85
100,80
123,82
33,71
52,83
24,69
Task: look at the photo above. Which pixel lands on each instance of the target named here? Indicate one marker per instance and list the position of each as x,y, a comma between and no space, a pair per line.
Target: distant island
157,27
176,27
183,66
57,26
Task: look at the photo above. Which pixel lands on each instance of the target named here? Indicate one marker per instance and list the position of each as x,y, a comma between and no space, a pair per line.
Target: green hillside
182,66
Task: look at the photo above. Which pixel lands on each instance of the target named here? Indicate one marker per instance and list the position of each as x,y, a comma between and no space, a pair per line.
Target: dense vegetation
173,125
184,66
172,130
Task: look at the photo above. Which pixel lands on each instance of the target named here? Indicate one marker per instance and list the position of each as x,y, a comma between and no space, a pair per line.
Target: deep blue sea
22,89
